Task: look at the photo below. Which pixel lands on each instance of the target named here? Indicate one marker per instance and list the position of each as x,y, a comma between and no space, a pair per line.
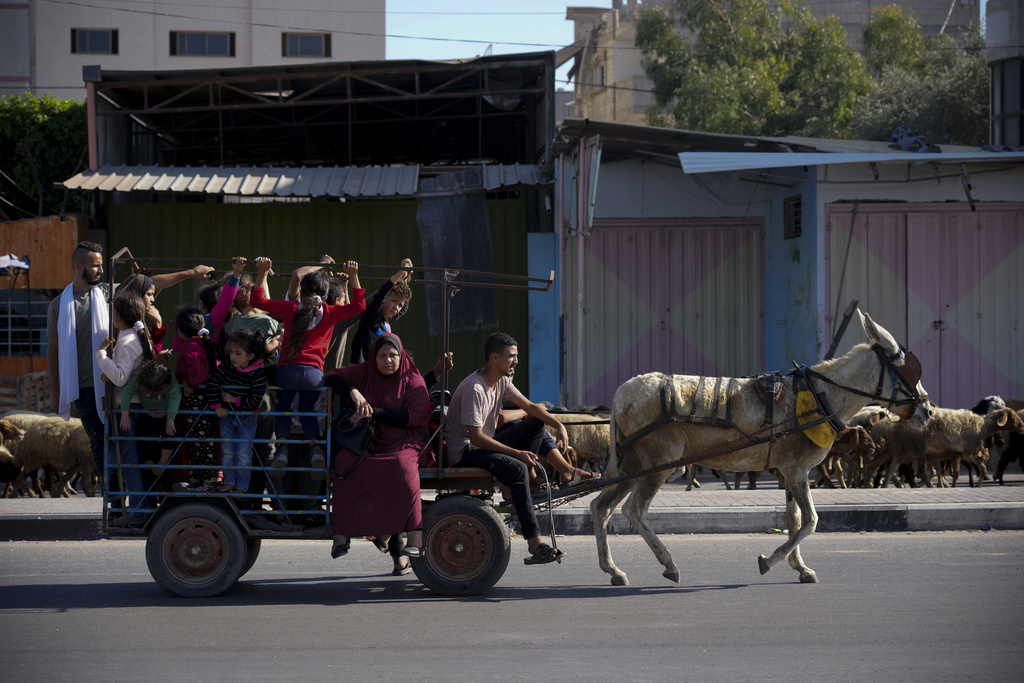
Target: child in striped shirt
235,390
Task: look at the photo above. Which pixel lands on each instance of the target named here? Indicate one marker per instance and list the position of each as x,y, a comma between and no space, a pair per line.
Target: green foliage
892,39
743,67
943,95
42,141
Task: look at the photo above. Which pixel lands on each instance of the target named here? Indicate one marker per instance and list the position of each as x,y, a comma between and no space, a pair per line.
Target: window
793,208
1008,103
95,41
305,44
194,44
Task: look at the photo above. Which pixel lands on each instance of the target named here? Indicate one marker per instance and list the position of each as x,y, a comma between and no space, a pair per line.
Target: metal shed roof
303,181
716,162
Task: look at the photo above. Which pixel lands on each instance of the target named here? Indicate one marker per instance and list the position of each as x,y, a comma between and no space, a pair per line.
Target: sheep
949,432
10,432
64,446
589,441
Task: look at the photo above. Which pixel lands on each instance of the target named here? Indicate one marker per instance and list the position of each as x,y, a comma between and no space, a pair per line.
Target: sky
459,29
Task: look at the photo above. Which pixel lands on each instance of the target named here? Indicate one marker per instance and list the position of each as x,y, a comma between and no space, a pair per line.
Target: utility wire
693,50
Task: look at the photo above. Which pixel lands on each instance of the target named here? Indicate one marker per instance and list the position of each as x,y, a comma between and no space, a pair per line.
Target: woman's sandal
380,542
401,571
340,549
544,554
412,551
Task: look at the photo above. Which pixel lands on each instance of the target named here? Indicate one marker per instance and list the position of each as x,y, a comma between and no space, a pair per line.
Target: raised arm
165,280
303,271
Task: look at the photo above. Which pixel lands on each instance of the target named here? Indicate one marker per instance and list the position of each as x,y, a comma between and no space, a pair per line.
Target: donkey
846,384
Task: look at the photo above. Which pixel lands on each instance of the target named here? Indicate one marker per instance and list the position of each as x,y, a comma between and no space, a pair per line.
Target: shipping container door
944,280
675,296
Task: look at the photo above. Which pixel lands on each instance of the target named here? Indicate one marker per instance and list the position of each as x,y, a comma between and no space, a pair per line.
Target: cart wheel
466,546
252,551
196,550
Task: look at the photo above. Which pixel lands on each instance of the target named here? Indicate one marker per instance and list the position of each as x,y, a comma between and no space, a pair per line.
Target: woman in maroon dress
381,496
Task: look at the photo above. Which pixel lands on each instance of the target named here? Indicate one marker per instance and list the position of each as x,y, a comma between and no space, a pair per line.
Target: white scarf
67,347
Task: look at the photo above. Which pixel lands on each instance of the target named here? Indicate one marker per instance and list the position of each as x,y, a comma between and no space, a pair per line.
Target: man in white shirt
471,427
85,300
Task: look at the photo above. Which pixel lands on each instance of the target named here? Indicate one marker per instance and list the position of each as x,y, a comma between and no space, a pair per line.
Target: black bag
353,437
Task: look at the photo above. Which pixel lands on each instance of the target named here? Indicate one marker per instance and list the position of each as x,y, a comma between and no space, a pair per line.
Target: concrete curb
664,520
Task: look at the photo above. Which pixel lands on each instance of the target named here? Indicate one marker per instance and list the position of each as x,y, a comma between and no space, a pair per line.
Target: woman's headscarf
137,284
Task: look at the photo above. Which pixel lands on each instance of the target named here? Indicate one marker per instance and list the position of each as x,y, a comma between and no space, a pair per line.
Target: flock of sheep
876,449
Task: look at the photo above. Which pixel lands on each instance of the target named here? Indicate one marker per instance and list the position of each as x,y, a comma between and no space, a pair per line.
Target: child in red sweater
308,324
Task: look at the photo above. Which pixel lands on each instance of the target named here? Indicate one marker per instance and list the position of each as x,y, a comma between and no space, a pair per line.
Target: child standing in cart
308,324
196,359
235,391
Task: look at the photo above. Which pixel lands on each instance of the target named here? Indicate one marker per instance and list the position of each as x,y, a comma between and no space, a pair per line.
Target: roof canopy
335,181
488,110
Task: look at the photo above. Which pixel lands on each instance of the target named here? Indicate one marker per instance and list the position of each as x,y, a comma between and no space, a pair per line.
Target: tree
942,94
742,67
892,39
42,142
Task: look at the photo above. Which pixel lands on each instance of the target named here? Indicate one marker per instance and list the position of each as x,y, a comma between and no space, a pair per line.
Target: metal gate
666,295
948,279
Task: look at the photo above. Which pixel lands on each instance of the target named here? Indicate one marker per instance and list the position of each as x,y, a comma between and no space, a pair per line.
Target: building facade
724,255
45,43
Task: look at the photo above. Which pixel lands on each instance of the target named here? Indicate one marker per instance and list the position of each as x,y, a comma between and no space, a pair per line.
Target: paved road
896,606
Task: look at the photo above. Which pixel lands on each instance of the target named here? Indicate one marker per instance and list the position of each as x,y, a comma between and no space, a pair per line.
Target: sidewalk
710,509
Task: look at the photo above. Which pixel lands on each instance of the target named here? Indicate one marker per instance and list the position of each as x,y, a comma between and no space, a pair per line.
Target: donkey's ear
870,328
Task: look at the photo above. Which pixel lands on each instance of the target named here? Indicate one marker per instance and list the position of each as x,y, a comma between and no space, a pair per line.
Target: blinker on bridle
905,377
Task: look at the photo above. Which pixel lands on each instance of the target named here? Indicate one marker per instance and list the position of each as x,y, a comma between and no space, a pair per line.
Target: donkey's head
909,398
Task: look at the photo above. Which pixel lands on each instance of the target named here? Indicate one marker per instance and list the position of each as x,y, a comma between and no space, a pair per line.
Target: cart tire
252,551
466,547
196,550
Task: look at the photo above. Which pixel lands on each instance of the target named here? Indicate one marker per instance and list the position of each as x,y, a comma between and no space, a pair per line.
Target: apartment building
610,83
45,43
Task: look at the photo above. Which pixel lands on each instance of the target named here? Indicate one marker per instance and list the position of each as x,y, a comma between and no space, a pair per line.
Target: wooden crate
26,392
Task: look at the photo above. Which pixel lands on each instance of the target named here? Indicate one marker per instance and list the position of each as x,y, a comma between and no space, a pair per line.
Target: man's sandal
544,554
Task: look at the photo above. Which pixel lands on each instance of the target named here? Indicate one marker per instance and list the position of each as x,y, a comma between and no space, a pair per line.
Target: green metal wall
371,232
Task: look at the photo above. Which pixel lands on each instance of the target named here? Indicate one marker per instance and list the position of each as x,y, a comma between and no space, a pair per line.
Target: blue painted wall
542,257
794,276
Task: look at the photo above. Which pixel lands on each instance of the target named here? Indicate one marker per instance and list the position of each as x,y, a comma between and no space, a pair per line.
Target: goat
1014,450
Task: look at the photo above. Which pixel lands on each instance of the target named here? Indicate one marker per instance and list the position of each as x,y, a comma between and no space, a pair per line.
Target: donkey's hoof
807,577
620,580
762,564
671,575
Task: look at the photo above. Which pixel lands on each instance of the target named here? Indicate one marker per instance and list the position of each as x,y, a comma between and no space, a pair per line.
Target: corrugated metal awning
716,162
311,181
